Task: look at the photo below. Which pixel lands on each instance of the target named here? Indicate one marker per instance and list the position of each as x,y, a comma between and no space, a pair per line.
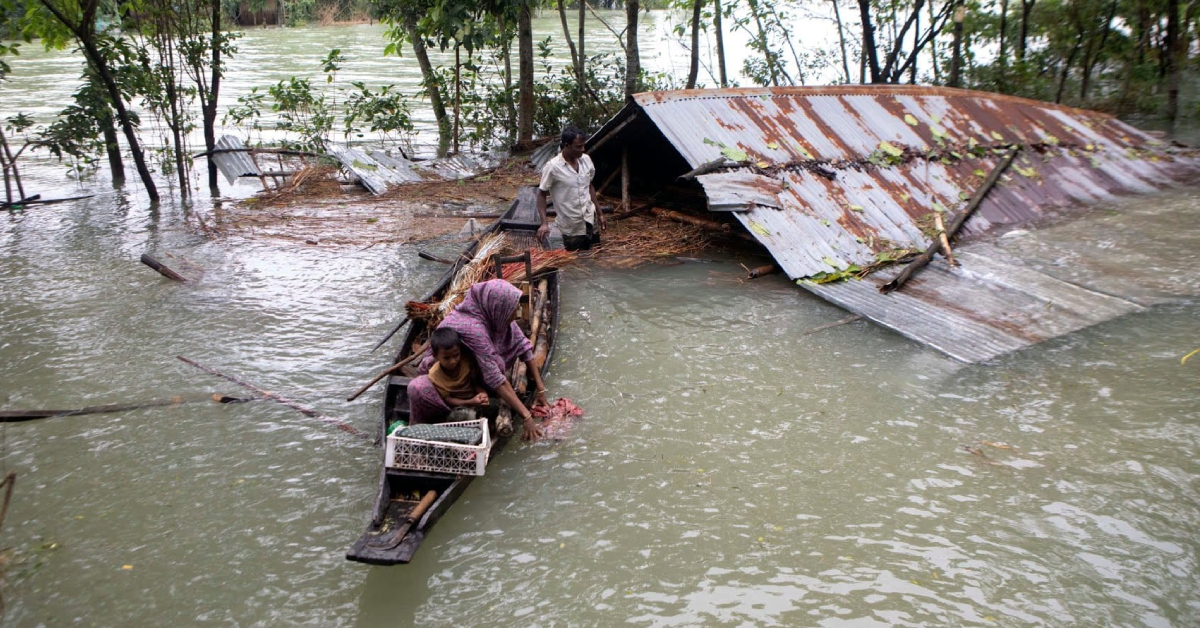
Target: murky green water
731,470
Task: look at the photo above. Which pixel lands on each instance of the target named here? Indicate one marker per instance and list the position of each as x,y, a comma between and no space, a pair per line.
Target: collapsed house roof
833,179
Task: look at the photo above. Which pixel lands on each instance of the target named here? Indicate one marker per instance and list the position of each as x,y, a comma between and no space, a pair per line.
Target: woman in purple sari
485,321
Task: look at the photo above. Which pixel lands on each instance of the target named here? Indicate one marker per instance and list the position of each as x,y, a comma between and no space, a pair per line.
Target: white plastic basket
429,455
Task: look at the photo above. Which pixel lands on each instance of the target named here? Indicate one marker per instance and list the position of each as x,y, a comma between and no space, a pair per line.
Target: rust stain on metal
1075,158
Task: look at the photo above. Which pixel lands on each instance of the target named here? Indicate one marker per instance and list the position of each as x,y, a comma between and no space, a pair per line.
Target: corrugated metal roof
818,186
544,154
820,223
985,308
378,171
236,163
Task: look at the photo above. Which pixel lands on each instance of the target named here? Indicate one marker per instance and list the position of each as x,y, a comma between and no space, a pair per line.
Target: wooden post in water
162,269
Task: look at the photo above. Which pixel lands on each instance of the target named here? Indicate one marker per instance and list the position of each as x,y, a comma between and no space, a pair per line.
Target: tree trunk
176,125
868,42
937,74
114,92
582,78
1066,69
506,54
432,86
525,73
768,57
457,92
1026,9
562,17
1172,65
1093,55
890,73
633,61
960,14
837,16
111,146
912,77
694,68
1002,58
862,66
209,102
720,44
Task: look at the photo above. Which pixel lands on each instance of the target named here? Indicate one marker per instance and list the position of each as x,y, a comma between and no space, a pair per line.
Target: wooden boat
400,521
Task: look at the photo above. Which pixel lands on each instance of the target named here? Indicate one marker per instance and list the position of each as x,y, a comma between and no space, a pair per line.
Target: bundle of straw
480,268
473,272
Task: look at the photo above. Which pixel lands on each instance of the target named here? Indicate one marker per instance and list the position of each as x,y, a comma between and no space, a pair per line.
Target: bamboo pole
941,227
713,225
388,371
17,416
607,181
266,394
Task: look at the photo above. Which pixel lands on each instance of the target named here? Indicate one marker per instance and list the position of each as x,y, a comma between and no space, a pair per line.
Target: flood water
731,470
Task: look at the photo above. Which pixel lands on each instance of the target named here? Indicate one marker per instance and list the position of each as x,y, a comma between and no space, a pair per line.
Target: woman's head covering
492,302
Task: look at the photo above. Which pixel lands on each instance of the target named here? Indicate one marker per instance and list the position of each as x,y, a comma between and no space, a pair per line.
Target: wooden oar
388,371
391,369
266,394
413,515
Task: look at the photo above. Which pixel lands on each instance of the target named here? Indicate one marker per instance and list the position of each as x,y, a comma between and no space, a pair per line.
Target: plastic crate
440,457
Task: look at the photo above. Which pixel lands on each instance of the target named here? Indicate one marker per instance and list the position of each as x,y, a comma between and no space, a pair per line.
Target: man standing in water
568,180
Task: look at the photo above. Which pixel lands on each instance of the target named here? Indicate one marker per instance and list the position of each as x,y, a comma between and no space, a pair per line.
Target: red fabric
556,419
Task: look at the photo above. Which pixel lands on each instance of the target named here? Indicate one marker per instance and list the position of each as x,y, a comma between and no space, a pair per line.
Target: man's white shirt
571,192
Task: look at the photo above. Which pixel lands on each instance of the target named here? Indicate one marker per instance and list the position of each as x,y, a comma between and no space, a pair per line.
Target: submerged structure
835,182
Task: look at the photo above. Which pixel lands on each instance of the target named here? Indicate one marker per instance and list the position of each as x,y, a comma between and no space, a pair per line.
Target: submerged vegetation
154,67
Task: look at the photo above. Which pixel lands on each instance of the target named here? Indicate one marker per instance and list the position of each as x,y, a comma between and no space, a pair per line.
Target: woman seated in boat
485,323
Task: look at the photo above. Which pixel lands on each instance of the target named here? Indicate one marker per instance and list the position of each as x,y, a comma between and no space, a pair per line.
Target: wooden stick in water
266,394
388,371
17,416
162,269
762,271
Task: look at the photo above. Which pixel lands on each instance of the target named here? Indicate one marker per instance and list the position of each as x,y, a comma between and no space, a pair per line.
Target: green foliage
7,50
383,112
307,114
77,134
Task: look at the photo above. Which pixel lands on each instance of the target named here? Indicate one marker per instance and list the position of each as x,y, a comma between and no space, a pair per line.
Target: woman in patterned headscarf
485,323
